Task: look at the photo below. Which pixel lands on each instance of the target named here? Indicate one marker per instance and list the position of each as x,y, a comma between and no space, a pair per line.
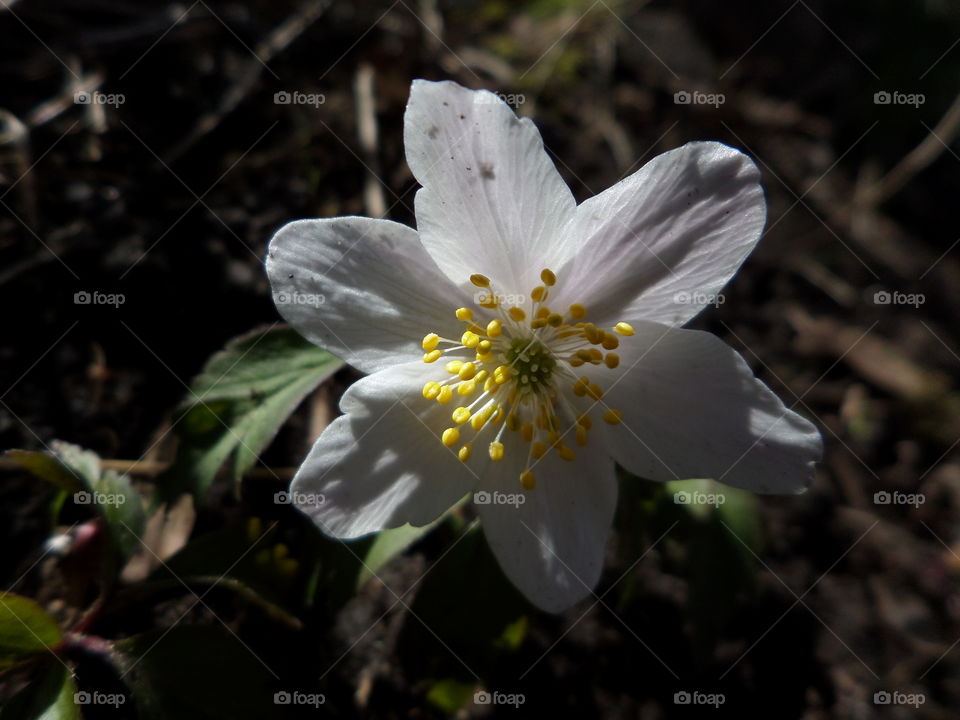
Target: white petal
382,464
552,546
692,408
661,243
364,289
492,200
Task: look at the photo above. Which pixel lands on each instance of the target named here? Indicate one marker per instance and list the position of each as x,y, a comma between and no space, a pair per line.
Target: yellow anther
480,280
479,420
578,311
464,314
446,395
450,437
432,356
467,371
593,333
489,384
431,390
555,320
430,341
502,374
581,432
498,415
466,388
517,314
513,422
461,415
496,451
612,417
538,293
585,421
488,300
538,450
528,480
526,432
464,452
494,328
548,277
576,362
453,367
579,388
596,357
553,437
584,355
566,453
594,391
484,347
481,377
470,339
538,323
623,328
611,360
610,341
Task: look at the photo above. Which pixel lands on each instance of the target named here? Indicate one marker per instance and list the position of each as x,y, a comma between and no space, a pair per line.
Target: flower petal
661,243
492,200
552,546
692,408
362,288
382,463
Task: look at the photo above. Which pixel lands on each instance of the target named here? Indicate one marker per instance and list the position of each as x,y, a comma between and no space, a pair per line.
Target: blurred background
149,151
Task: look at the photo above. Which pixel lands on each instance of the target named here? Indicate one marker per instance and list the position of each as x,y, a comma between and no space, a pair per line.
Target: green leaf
195,672
50,697
76,470
450,695
239,401
25,630
387,545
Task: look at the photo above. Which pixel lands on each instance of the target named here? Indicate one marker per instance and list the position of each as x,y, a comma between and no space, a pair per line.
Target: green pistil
532,364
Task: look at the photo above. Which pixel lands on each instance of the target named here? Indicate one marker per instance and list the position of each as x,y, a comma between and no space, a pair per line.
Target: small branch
933,145
373,199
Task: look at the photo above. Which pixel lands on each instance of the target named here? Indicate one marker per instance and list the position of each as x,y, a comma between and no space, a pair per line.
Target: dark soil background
170,198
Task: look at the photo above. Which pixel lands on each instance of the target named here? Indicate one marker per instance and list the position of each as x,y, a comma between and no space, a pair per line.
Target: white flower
519,344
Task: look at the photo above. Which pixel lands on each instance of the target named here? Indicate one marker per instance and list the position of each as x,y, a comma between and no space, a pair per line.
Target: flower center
513,375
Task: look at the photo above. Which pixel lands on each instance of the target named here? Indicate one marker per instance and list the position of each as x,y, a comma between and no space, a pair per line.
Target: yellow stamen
528,480
613,417
464,452
430,341
517,314
431,390
464,314
611,360
461,415
446,395
432,356
496,451
450,437
548,277
625,329
480,280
